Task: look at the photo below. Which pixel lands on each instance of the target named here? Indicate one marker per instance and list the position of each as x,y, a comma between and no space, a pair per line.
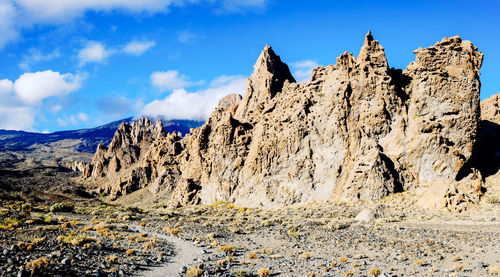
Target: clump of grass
37,265
173,231
226,248
149,244
458,266
239,273
76,240
293,234
26,208
343,259
263,272
252,255
130,252
419,262
374,271
61,207
87,228
194,272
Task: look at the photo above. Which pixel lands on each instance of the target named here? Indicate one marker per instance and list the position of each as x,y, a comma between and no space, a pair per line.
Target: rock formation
356,130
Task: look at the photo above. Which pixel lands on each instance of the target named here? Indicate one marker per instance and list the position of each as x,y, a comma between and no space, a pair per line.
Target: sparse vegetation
194,272
263,272
374,271
61,207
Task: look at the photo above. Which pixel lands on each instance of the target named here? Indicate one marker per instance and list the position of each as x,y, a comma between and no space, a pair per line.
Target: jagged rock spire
269,62
269,76
372,54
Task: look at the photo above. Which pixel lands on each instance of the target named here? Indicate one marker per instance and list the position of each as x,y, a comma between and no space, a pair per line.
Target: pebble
65,261
22,273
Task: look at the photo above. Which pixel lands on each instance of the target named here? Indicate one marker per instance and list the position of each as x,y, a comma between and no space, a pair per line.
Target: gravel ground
317,239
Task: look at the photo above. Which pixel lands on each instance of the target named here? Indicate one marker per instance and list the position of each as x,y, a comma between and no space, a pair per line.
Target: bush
26,208
61,207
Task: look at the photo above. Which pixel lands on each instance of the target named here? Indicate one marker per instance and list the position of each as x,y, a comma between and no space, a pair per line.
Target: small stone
479,265
65,261
183,269
22,273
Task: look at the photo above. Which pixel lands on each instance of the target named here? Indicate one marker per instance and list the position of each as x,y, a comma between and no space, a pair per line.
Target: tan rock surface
357,130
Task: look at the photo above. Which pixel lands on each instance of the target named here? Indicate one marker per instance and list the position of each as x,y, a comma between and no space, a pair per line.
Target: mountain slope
90,138
63,148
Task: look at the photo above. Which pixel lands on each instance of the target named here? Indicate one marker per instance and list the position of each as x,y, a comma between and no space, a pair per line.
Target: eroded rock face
117,163
356,130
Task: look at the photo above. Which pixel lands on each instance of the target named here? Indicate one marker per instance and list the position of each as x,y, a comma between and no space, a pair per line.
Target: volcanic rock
356,130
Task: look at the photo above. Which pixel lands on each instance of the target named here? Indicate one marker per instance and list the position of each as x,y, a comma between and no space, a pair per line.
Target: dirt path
184,253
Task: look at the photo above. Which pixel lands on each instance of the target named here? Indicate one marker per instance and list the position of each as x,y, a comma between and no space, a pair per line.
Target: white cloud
34,87
55,108
181,104
186,36
93,52
303,69
6,87
64,11
73,120
16,118
8,28
16,15
169,80
138,47
35,56
14,114
83,117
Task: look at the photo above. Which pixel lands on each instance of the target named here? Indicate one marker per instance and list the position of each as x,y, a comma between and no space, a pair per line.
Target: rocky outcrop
356,130
117,163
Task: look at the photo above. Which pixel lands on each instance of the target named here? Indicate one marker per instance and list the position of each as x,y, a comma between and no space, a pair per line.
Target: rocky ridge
357,130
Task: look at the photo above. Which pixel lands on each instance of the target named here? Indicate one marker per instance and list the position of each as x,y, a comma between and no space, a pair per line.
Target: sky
83,63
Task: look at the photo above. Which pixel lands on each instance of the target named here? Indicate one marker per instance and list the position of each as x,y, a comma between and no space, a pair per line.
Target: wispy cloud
186,36
169,80
35,56
138,47
98,52
73,120
240,6
302,69
93,52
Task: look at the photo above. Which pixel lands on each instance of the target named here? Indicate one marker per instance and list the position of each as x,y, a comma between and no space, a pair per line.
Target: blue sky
83,63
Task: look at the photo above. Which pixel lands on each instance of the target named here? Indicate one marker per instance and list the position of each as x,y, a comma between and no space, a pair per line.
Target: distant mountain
88,138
